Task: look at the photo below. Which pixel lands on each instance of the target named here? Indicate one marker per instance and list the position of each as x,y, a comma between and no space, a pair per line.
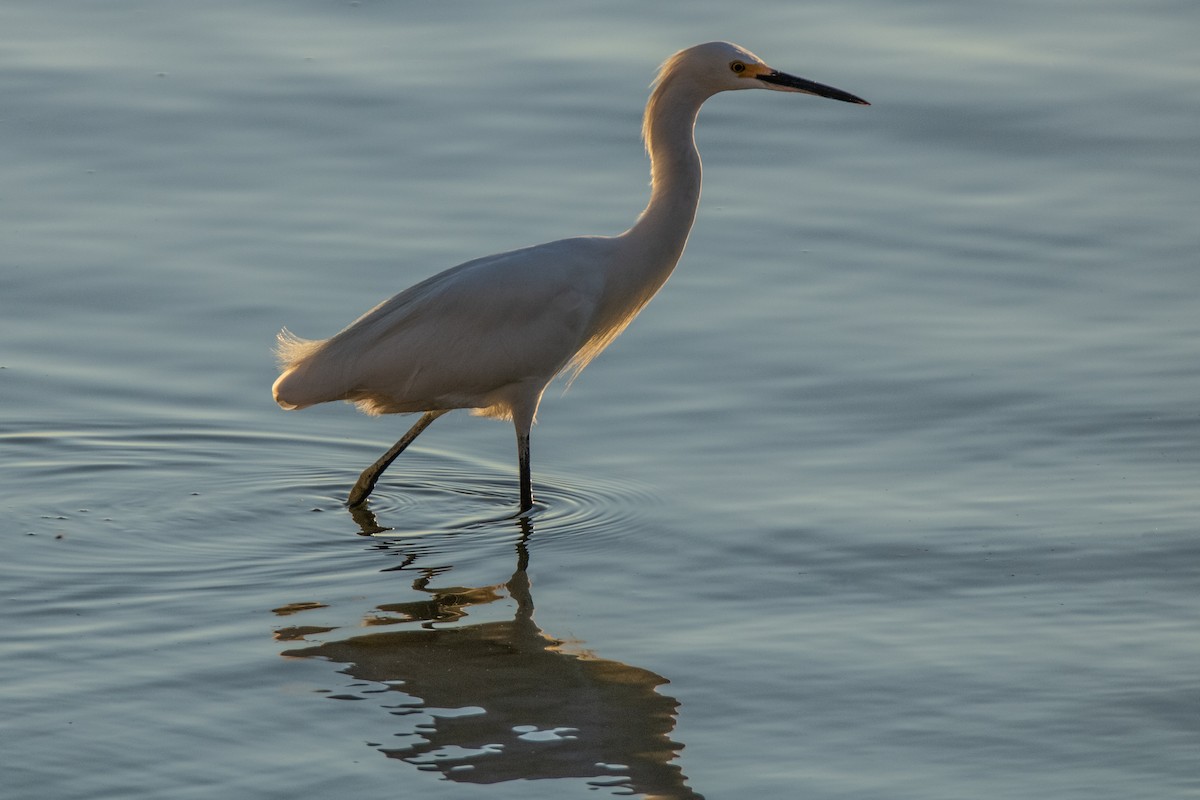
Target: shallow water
891,493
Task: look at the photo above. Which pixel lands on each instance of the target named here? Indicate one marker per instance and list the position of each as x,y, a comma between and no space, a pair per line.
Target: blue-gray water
892,493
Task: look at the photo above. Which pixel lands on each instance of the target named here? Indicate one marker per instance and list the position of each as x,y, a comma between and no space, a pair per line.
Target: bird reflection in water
505,700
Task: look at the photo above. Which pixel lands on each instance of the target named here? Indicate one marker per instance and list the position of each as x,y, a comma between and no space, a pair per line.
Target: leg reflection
503,700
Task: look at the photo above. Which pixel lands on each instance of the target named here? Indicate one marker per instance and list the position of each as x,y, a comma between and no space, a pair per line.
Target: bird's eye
738,67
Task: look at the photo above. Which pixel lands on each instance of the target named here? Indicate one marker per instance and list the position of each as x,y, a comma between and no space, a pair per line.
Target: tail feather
290,390
290,349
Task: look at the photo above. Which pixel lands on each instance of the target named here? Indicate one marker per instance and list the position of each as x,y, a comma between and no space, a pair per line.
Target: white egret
490,335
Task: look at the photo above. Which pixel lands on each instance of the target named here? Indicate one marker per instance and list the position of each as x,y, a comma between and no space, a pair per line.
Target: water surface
892,493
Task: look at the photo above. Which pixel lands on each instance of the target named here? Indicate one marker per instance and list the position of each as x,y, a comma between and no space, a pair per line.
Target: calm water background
891,494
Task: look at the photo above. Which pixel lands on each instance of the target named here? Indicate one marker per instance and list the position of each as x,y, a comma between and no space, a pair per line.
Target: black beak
791,83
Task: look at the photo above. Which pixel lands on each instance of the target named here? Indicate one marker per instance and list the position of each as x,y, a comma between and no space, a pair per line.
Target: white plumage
490,334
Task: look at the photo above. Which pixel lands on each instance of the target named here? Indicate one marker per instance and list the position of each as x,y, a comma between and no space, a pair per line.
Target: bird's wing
455,338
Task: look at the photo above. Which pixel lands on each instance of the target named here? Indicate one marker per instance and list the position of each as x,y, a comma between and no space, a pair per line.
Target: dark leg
523,460
366,481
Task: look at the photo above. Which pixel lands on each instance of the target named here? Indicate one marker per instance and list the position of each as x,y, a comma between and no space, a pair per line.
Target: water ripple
441,494
149,480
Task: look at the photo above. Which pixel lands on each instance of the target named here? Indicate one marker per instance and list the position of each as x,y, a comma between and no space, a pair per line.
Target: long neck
661,232
647,253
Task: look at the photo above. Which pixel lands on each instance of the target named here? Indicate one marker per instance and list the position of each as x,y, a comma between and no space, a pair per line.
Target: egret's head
722,66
